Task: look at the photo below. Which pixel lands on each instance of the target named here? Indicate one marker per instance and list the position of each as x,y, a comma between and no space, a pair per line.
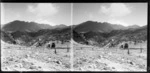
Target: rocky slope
137,34
29,38
22,58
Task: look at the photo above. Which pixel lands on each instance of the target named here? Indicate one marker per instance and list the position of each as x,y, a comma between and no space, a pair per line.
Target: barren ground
90,58
87,58
20,58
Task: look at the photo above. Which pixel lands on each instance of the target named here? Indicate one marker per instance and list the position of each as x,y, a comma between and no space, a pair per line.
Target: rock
113,67
89,66
58,62
27,56
32,63
106,68
131,63
105,64
6,62
16,66
67,66
20,65
90,61
11,59
39,67
99,56
32,67
19,47
141,66
16,61
94,66
66,56
80,68
6,68
84,60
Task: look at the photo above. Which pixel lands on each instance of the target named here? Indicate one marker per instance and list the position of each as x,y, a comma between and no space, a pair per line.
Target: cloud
120,22
43,9
41,21
115,10
91,16
18,16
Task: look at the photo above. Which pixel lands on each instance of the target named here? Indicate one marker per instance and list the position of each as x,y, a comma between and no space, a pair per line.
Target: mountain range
29,33
18,25
100,27
118,35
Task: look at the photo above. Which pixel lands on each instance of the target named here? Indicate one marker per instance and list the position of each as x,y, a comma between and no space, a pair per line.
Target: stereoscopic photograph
74,37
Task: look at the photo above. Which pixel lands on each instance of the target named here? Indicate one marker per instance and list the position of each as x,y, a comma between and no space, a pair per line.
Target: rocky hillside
117,35
43,36
86,33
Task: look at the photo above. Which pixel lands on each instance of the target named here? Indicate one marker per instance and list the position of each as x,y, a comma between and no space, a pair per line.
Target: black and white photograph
35,37
110,36
74,37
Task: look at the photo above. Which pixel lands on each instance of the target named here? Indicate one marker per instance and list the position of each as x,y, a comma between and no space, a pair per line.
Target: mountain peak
93,26
133,26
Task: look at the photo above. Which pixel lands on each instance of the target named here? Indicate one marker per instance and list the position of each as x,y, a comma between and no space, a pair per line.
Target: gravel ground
87,58
90,58
19,58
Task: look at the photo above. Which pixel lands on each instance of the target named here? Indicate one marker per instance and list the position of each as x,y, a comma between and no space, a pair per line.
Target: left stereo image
35,36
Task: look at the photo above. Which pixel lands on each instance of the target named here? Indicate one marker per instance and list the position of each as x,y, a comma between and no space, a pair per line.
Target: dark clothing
53,45
126,46
121,46
48,46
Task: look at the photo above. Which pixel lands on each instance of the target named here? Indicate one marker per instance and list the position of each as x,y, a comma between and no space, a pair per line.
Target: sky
126,14
47,13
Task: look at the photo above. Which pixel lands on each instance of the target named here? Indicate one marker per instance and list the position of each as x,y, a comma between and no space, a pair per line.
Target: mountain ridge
100,26
18,25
